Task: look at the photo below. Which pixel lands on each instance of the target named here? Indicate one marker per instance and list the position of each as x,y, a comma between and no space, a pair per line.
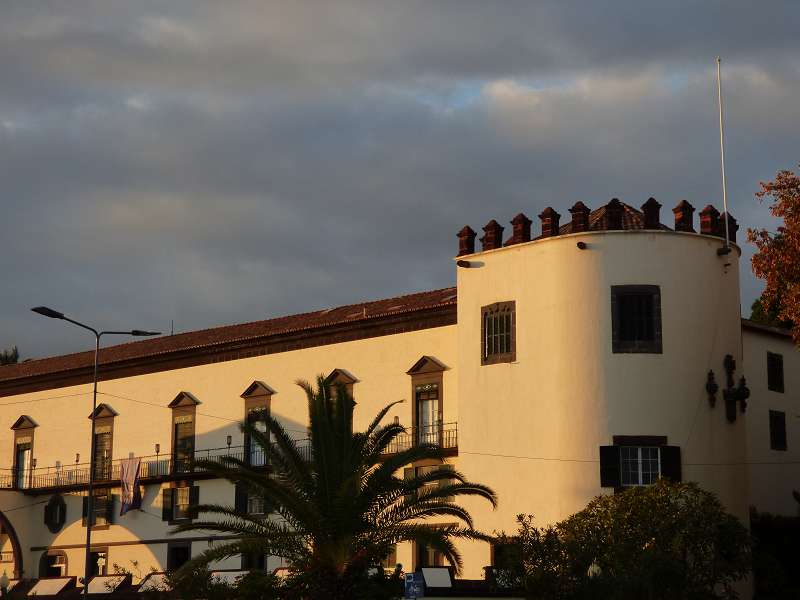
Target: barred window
636,318
498,324
255,504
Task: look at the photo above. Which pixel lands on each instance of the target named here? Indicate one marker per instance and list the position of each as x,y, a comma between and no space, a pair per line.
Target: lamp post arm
84,326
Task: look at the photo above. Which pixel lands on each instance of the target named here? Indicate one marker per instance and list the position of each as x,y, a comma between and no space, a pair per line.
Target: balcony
165,467
443,434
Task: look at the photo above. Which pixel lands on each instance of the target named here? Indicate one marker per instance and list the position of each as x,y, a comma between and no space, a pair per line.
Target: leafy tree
777,260
763,313
9,357
666,541
340,510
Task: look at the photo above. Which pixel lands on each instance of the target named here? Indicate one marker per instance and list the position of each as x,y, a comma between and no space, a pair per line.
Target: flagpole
722,153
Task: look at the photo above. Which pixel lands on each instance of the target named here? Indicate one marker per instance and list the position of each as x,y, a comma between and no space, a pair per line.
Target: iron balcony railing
155,466
159,466
444,435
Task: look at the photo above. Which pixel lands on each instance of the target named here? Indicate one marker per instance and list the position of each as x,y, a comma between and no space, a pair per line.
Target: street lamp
54,314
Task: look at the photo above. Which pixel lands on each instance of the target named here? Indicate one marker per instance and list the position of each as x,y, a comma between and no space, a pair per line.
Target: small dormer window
498,336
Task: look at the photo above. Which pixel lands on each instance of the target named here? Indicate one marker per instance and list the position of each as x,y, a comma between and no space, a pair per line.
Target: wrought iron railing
158,466
444,435
151,467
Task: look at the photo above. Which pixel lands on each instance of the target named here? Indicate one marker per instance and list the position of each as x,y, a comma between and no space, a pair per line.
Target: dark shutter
48,515
444,482
671,463
609,467
194,500
408,473
240,498
777,430
85,510
775,372
110,508
166,504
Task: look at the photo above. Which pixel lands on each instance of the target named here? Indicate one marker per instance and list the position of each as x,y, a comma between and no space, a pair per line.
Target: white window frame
639,473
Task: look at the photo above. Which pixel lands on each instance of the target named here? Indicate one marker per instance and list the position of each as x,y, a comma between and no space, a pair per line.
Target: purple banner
130,495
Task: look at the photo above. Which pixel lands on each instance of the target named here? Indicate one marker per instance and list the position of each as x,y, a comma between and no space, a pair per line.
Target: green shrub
664,542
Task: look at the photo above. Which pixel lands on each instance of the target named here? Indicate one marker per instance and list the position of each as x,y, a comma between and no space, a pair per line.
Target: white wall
774,474
532,428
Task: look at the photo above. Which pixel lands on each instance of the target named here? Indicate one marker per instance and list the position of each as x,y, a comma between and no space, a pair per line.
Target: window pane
629,457
181,500
650,465
639,466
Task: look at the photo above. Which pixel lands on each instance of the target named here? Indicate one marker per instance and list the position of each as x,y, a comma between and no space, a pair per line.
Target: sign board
415,586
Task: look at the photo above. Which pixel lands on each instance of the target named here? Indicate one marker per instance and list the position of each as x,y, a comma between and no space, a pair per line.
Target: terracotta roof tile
632,218
234,333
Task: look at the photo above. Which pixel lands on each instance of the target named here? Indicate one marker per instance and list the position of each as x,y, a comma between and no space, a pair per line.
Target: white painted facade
531,428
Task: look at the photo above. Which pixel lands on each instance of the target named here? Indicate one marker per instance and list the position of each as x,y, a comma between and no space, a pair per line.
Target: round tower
587,358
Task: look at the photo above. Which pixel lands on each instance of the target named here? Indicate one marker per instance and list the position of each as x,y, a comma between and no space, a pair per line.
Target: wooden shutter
777,430
609,467
408,473
194,500
671,463
85,511
110,508
775,372
444,482
166,504
48,515
240,498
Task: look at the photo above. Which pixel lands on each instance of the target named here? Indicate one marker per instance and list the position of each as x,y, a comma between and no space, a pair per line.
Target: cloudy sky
218,162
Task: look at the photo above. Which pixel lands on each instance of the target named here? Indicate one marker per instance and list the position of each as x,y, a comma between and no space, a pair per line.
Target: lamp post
54,314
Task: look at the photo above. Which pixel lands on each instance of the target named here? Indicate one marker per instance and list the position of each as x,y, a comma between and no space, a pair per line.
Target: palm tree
340,508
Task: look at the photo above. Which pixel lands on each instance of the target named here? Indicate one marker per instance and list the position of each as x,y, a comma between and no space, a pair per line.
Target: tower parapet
613,216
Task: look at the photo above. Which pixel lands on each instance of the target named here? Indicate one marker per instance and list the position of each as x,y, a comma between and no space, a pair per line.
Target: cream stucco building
605,352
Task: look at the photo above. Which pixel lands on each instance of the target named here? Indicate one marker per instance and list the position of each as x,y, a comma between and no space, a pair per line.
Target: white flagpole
722,152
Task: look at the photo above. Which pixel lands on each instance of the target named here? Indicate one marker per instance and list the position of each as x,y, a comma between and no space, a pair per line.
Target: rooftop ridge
232,333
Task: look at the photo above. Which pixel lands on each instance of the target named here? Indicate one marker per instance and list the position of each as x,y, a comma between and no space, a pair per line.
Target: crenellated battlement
613,216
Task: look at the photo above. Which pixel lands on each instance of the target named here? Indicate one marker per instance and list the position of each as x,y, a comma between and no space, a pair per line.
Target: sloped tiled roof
217,336
632,218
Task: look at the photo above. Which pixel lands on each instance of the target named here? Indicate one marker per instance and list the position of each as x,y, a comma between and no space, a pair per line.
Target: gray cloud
215,163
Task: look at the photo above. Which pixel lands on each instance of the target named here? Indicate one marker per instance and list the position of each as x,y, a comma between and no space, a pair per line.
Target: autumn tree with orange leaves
777,260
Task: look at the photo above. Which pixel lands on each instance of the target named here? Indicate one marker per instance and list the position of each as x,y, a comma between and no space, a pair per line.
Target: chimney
709,221
614,214
521,230
652,217
493,236
466,241
580,217
733,227
549,219
684,216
